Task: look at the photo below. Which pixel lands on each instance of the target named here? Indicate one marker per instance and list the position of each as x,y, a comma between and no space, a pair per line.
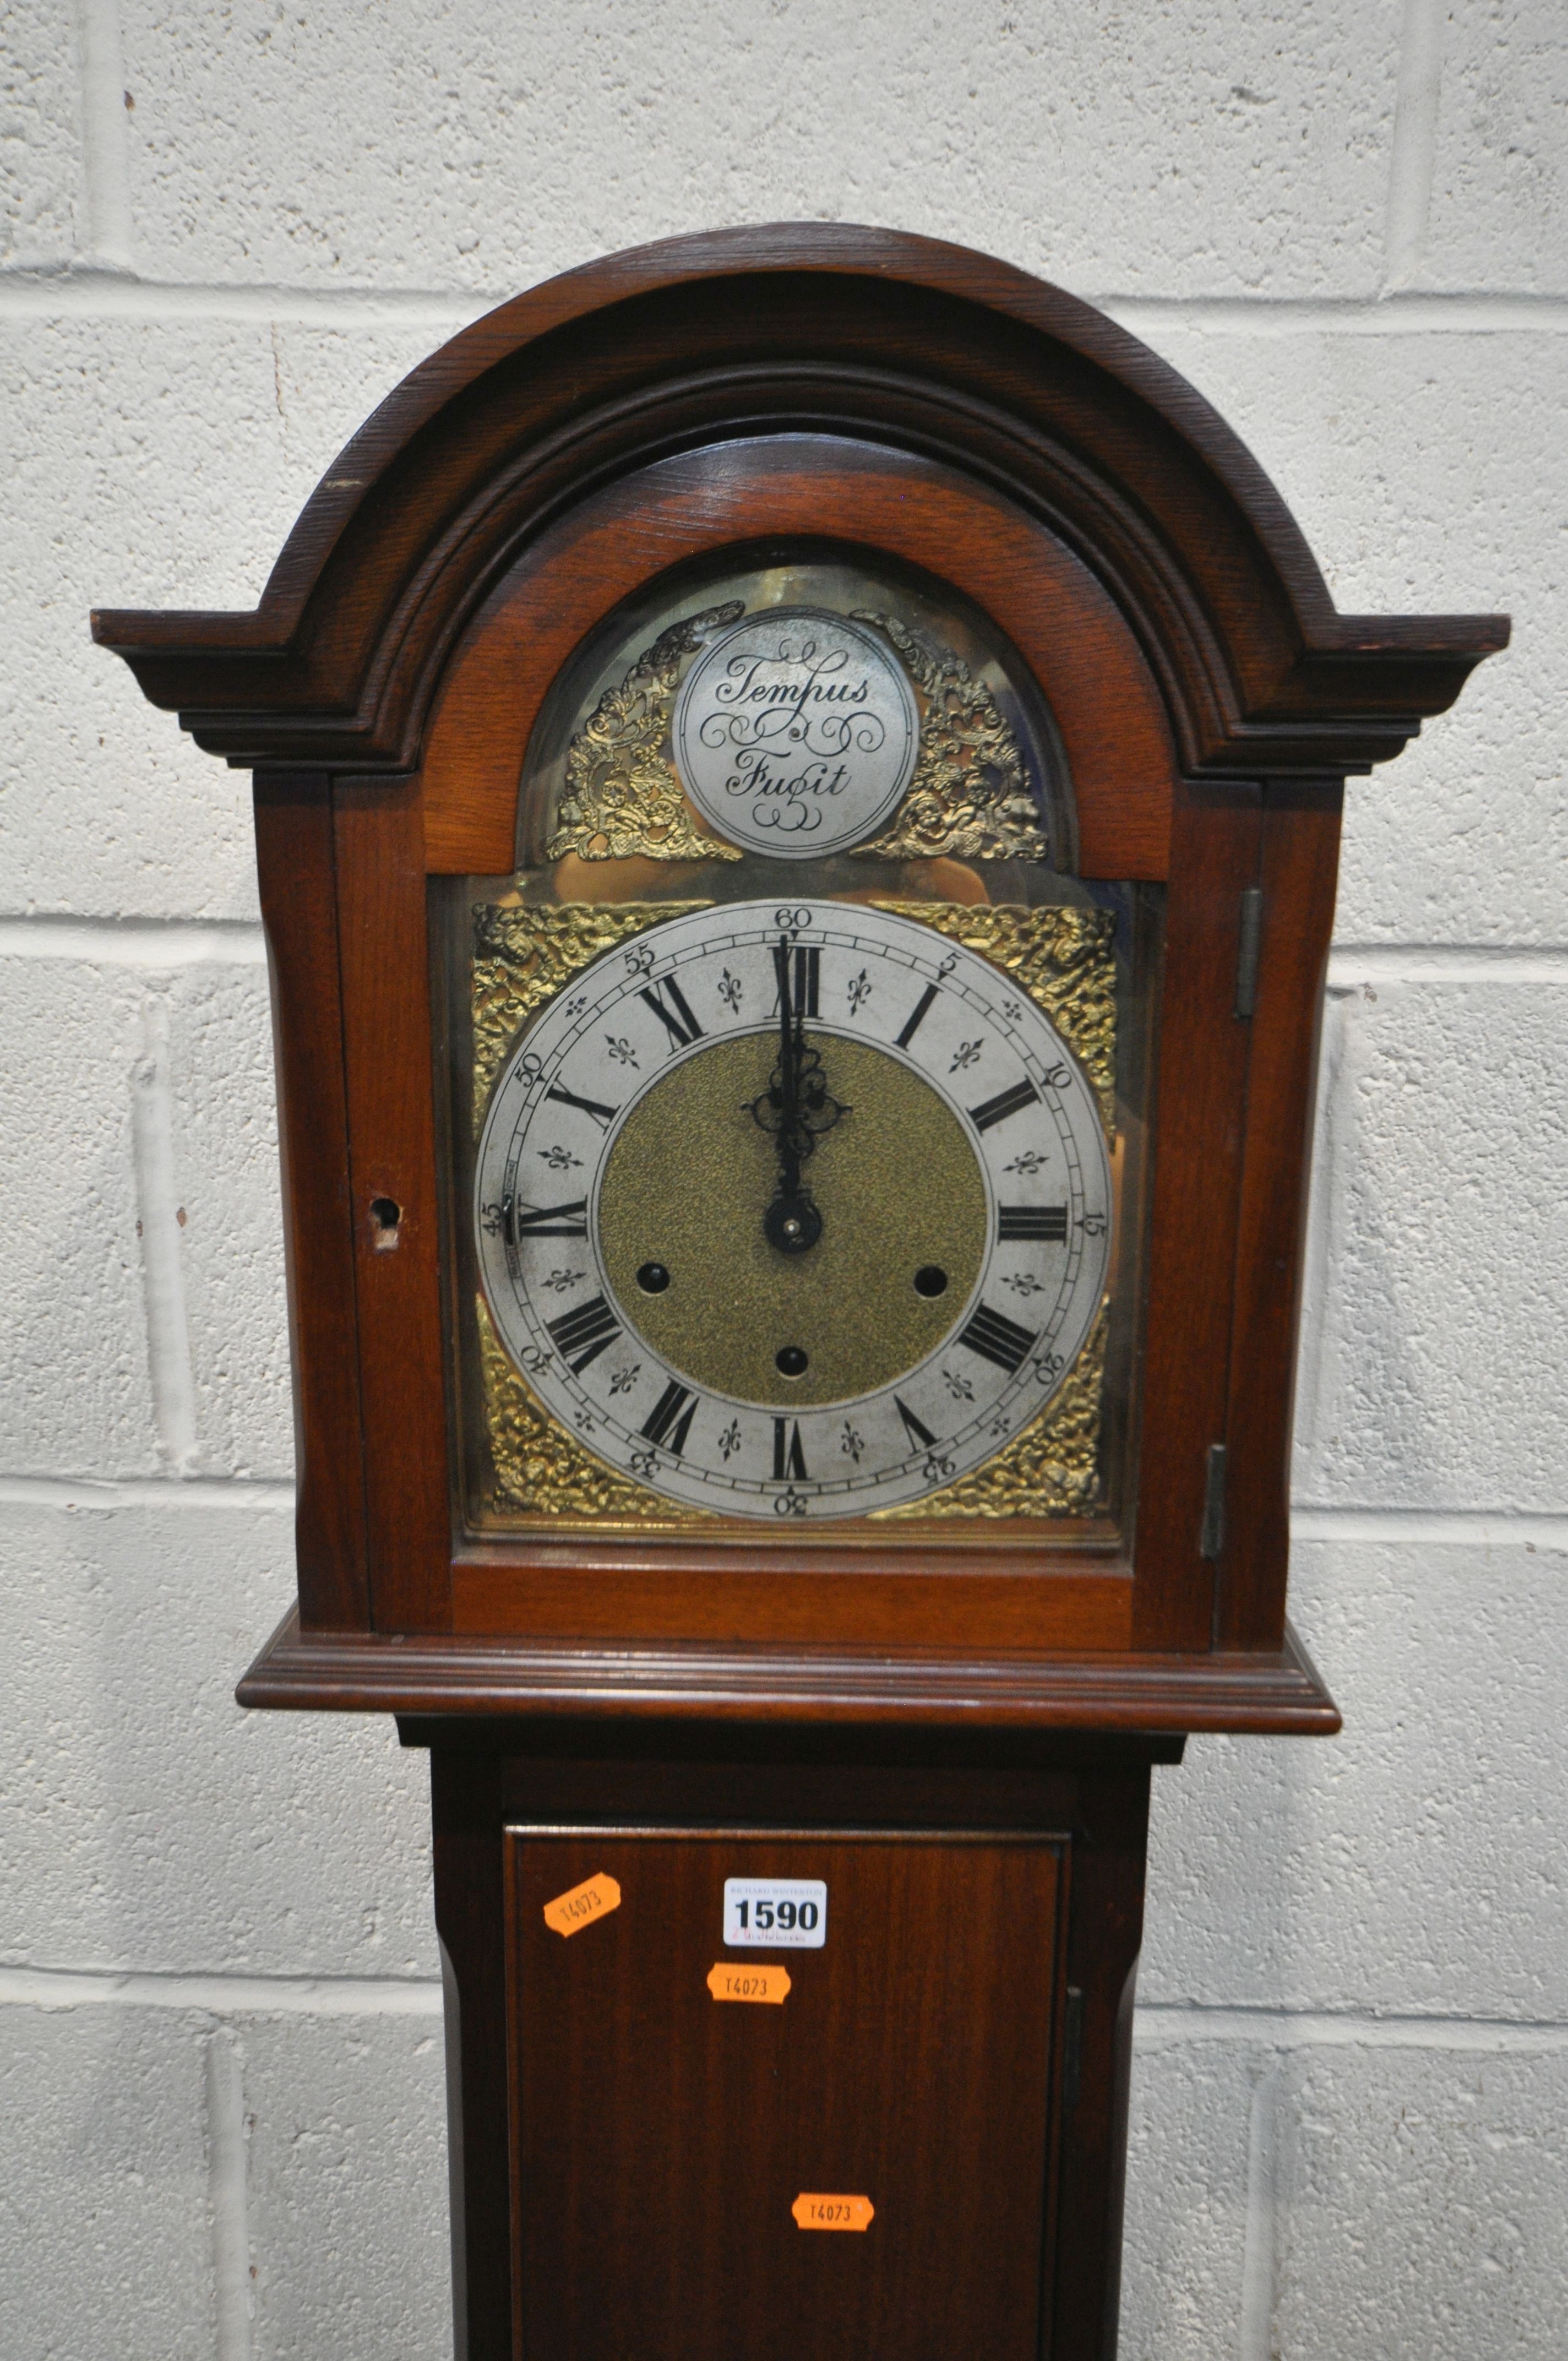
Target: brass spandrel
622,794
1051,1468
523,955
543,1471
968,798
1066,961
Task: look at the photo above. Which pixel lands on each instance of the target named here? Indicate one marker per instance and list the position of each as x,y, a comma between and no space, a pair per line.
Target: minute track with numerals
793,1210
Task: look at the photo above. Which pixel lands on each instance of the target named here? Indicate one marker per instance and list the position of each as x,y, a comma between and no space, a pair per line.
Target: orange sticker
731,1981
813,2212
570,1913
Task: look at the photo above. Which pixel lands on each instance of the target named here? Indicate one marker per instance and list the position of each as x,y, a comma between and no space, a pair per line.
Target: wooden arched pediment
940,353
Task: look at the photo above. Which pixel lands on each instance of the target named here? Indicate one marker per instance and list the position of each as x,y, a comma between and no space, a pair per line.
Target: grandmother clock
797,786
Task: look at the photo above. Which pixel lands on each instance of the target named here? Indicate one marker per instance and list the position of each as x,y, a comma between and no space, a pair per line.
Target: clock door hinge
1072,2049
1249,940
1212,1540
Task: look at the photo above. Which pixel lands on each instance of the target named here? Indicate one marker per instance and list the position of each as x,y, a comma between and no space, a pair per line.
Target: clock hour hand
796,1108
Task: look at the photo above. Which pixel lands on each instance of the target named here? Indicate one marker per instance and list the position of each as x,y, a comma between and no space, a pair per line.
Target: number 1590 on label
773,1912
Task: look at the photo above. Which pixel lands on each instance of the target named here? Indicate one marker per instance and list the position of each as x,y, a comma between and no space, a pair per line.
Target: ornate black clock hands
796,1108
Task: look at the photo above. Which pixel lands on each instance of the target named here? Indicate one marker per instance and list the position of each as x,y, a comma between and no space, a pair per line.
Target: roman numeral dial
805,972
669,1421
581,1335
1012,1100
915,1018
668,1003
569,1221
1019,1222
632,1152
919,1433
789,1452
603,1115
997,1338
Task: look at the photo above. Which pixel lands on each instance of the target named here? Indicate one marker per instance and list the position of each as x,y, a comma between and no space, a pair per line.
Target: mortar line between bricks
1351,964
104,135
1157,2022
92,294
229,2195
1472,1527
1260,2237
157,1227
65,1493
156,946
1413,153
216,1993
95,294
220,1995
152,945
1462,311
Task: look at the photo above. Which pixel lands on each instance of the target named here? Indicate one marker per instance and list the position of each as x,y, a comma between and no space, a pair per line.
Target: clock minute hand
796,1107
792,1221
789,1046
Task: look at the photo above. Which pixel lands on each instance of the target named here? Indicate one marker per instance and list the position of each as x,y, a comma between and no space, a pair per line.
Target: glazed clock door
796,1140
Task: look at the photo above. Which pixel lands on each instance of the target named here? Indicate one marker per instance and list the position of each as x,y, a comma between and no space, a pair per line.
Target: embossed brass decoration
1064,960
543,1471
1049,1469
969,798
523,956
621,794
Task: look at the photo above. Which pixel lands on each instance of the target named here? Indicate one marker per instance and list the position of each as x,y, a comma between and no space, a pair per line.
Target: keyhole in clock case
386,1215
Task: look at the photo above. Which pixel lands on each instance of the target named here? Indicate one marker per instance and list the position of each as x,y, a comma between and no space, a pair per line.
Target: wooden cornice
1280,1694
818,327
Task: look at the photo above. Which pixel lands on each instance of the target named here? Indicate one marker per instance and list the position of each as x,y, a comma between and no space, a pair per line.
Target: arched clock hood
825,328
902,400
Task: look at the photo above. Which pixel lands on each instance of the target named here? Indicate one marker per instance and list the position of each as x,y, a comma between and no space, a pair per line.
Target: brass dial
900,1191
793,1210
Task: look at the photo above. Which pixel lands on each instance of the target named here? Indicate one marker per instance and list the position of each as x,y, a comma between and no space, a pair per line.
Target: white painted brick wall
225,232
105,2249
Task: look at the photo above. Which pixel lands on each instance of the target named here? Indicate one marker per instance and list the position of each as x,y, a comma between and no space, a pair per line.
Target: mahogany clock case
956,2054
945,1723
831,397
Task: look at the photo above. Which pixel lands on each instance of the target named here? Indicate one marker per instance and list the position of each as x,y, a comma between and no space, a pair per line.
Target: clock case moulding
910,400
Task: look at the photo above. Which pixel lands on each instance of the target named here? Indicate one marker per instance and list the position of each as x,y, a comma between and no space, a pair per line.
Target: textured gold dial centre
690,1176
